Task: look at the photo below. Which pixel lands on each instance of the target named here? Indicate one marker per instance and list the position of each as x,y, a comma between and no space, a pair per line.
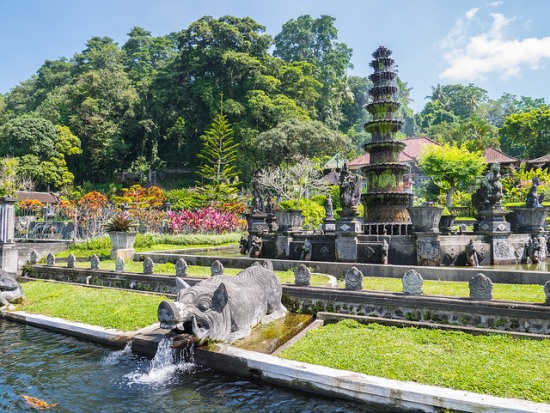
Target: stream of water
79,376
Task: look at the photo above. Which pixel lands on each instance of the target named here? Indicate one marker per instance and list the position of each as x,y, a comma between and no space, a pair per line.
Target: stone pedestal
346,247
492,222
329,226
271,221
8,250
257,222
282,246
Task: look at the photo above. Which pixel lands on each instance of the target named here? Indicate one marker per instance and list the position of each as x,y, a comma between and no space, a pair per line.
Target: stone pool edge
270,369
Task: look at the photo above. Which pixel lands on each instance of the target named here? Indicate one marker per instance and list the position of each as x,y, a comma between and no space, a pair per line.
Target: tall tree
527,134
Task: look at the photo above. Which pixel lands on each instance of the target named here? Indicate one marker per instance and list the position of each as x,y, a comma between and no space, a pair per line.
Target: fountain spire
385,201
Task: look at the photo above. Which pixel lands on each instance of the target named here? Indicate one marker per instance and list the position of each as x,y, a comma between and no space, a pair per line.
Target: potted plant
447,221
121,230
289,216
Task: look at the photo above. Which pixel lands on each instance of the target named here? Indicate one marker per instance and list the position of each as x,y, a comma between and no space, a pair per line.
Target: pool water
80,376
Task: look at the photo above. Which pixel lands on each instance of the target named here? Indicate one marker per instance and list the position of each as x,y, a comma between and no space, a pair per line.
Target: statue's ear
181,285
220,298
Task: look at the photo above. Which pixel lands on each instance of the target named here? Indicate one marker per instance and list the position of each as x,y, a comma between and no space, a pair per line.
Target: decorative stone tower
386,201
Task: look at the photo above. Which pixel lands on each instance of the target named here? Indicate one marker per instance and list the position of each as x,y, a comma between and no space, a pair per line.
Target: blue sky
501,46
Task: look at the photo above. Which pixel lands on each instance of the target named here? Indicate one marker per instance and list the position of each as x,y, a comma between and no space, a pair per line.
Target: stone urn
530,219
290,220
446,223
122,244
425,218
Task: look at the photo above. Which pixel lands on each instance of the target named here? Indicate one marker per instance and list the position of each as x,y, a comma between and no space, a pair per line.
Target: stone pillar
8,250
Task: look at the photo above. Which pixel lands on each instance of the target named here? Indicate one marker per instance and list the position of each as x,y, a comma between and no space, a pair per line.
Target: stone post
8,250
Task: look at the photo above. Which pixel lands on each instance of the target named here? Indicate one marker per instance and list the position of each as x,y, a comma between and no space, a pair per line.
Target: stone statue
94,262
256,247
385,251
224,308
302,275
243,245
306,251
268,209
71,260
350,191
354,279
119,264
257,200
533,199
489,195
471,254
412,283
50,259
10,291
481,287
533,248
329,209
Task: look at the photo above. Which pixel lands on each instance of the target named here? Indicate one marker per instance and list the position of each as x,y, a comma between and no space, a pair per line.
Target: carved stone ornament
71,260
268,264
503,250
481,287
10,291
94,262
412,283
33,259
119,264
428,250
216,268
181,268
50,259
302,275
354,279
547,292
452,253
324,251
148,265
369,252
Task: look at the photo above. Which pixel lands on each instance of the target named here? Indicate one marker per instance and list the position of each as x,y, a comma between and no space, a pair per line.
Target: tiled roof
541,159
493,155
44,197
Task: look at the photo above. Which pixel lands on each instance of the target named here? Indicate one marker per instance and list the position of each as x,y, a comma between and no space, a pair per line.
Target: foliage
464,362
296,181
517,184
30,206
527,134
182,198
312,211
120,223
8,177
109,308
204,221
138,197
93,201
451,166
219,155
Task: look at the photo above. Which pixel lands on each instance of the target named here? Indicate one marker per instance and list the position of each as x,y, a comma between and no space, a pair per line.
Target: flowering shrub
204,221
93,201
139,197
516,186
30,205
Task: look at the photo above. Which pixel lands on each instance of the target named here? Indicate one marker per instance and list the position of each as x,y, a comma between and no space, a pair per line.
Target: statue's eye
204,306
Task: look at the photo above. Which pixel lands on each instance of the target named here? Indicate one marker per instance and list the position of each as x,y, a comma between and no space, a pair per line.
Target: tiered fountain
385,201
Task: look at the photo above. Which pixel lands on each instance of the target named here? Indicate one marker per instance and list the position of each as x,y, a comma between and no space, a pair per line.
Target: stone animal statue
224,308
255,247
471,255
243,245
10,291
534,249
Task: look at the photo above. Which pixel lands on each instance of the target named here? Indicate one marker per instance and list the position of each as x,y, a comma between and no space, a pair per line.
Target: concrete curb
371,390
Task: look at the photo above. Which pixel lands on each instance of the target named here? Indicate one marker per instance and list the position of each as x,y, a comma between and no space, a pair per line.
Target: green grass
122,310
510,292
495,364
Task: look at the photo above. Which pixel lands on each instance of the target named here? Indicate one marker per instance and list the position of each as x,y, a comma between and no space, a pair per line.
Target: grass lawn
495,364
122,310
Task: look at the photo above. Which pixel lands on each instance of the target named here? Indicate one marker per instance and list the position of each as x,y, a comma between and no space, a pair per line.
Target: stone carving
350,191
243,245
481,287
50,259
216,269
306,251
533,199
471,254
547,292
489,195
256,247
268,208
224,308
181,268
452,253
354,279
412,283
148,265
257,199
534,249
329,209
302,275
119,264
428,250
385,251
94,262
369,252
503,250
71,261
268,264
10,291
324,251
33,258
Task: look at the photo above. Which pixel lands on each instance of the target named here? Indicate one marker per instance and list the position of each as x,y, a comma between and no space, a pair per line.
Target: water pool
84,377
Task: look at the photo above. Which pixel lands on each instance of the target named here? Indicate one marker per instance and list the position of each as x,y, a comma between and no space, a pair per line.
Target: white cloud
495,4
490,53
472,12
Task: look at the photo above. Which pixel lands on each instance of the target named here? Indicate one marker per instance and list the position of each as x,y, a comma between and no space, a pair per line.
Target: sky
500,46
